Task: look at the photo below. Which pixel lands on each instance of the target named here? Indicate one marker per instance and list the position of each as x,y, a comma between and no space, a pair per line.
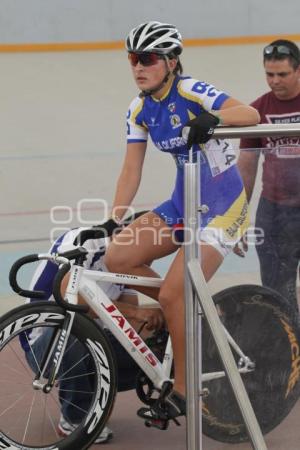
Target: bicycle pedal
160,424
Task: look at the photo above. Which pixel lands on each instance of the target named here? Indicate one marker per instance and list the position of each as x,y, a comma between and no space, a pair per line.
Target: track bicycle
262,330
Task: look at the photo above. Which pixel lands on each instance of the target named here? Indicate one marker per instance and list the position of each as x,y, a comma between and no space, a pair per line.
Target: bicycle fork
53,355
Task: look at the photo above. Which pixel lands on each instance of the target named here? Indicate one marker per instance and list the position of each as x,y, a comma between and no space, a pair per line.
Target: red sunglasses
146,59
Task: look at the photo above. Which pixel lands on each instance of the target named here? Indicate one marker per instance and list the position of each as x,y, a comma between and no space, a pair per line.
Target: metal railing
198,300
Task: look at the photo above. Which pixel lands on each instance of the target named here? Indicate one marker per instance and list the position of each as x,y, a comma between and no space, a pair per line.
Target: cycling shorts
222,231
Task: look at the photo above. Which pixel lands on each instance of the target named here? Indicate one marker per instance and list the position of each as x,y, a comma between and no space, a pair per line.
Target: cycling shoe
169,408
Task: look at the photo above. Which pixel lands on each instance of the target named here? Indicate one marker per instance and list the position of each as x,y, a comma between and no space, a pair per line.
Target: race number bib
220,155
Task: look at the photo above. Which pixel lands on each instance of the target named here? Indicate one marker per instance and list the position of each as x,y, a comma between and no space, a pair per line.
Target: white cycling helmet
154,37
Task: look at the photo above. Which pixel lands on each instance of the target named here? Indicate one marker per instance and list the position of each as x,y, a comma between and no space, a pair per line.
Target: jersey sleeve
136,128
205,94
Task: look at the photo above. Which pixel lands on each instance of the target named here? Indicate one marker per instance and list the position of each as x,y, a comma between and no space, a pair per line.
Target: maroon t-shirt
281,175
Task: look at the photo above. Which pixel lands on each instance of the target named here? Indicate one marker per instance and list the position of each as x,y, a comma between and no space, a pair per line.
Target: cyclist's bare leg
132,251
171,298
129,253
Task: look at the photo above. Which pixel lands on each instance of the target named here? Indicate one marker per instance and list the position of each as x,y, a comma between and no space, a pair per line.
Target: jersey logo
152,123
175,121
172,107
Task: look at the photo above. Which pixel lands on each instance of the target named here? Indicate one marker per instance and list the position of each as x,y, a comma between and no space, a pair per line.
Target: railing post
194,288
192,316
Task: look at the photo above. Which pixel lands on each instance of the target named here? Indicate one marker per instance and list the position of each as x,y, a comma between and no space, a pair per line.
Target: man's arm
248,159
247,164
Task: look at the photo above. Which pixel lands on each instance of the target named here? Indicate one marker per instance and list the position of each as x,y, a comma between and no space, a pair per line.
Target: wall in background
42,21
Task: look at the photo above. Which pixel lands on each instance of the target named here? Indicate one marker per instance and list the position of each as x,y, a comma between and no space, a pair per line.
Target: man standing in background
278,212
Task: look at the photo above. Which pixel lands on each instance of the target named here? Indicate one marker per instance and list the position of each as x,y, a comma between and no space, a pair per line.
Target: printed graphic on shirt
285,146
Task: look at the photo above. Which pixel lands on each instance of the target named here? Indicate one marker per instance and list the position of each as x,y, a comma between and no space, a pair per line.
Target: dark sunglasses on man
270,50
146,59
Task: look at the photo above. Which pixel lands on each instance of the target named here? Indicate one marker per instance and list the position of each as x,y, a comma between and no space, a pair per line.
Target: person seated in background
72,390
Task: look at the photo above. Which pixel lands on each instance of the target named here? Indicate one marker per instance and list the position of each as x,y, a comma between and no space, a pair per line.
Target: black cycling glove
201,128
101,231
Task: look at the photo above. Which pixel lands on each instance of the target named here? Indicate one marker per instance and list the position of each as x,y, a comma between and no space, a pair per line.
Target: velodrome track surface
61,148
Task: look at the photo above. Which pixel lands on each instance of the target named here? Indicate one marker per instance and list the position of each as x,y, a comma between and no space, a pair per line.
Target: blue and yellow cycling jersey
163,120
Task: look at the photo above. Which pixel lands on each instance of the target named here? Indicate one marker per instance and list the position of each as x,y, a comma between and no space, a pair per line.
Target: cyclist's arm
129,179
233,112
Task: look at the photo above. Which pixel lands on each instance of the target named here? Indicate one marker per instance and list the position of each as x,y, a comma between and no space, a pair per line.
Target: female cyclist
167,102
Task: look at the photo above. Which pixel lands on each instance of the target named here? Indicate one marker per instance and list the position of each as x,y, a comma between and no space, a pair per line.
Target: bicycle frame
85,282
